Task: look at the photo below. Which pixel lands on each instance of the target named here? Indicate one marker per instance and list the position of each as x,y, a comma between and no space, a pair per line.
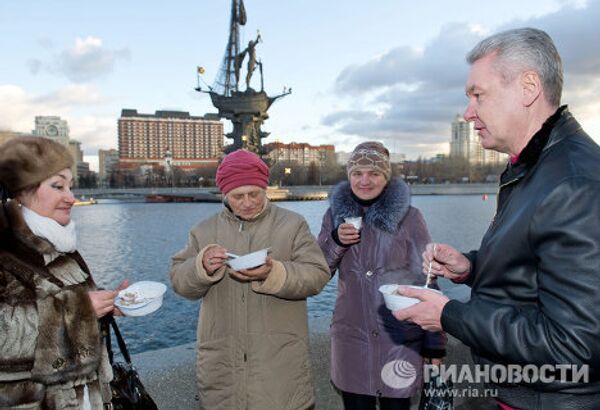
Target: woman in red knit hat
253,330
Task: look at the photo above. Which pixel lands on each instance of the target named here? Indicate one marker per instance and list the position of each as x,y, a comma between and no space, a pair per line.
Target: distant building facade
342,157
191,141
300,153
465,143
57,129
108,161
52,127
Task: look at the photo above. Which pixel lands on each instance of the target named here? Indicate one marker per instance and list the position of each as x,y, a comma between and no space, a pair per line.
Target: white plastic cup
355,221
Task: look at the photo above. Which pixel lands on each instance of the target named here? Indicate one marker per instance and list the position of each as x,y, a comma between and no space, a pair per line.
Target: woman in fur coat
373,355
51,351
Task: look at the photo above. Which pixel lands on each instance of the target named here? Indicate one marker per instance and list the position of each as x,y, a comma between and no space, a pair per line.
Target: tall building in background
108,161
301,153
81,167
192,142
465,143
52,127
57,129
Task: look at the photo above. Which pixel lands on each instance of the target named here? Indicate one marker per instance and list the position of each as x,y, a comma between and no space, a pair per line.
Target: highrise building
52,127
57,129
147,138
465,143
108,161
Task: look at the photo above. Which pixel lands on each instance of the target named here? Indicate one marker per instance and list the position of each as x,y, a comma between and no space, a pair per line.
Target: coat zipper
498,196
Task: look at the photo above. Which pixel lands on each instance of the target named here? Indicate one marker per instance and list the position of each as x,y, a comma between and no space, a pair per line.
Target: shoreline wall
169,374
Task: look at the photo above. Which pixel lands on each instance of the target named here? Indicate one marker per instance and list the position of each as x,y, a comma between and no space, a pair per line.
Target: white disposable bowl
250,260
149,294
397,302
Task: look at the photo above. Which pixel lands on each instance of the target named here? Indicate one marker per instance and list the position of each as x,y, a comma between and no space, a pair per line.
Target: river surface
136,240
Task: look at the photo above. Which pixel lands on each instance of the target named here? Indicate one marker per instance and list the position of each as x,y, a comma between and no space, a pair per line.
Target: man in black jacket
535,280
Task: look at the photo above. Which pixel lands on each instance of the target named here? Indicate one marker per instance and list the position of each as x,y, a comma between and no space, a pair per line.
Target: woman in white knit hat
368,345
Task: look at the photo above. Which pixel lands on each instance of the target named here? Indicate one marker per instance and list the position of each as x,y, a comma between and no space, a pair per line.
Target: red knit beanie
241,168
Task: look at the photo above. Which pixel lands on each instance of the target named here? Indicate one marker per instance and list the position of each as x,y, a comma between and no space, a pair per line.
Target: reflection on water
135,241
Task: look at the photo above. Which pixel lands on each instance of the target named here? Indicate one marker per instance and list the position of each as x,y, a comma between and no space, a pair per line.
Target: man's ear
531,87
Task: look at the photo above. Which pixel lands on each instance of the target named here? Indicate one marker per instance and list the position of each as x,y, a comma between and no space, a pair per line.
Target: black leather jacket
536,276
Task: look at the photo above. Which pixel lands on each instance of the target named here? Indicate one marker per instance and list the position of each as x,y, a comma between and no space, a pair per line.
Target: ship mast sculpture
247,110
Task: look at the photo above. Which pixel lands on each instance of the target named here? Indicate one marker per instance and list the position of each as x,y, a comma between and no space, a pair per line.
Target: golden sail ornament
247,110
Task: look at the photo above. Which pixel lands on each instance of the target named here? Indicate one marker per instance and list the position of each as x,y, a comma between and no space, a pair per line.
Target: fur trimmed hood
386,214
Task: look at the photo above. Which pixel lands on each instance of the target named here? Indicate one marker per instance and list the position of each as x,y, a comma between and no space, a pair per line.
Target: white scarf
64,238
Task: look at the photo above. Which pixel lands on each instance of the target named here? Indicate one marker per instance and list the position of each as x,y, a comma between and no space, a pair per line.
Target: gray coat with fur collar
367,342
50,346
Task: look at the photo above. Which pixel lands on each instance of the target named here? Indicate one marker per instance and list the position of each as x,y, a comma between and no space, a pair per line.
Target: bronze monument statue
245,109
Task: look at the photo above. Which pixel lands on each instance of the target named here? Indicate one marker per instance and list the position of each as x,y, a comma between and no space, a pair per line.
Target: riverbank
312,192
169,374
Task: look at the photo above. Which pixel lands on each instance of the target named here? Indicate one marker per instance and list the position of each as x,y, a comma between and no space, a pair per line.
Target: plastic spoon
429,275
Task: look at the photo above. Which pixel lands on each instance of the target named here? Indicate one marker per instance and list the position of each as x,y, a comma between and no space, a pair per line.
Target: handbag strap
109,321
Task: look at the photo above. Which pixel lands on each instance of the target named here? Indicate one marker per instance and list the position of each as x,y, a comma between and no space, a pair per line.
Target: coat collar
555,128
230,215
13,224
386,214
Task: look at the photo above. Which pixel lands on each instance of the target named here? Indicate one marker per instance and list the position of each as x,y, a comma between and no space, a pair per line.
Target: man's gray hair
524,49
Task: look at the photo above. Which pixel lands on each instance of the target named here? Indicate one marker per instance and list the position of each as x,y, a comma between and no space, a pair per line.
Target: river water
136,240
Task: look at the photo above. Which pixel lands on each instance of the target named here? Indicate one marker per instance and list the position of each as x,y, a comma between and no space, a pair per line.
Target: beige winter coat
253,337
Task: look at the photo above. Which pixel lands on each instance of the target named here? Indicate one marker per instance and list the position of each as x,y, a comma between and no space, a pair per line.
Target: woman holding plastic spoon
253,328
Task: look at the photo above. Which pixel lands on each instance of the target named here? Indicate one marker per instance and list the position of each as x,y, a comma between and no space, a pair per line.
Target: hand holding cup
349,231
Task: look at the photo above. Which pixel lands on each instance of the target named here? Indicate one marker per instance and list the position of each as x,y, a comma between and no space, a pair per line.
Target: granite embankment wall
169,374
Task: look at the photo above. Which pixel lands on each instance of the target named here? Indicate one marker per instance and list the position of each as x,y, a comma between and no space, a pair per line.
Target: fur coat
51,345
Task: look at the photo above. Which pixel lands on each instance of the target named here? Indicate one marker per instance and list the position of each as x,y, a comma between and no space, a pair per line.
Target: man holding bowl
535,278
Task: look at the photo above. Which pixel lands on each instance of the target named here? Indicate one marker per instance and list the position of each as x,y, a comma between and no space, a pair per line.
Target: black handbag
437,395
128,392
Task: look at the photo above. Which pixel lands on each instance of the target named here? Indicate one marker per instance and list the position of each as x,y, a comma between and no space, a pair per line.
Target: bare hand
348,234
427,313
446,262
250,275
214,258
103,301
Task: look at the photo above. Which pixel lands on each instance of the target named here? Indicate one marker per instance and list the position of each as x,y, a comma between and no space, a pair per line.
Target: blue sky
388,70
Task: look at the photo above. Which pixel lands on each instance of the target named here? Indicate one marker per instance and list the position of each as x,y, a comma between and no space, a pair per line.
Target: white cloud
412,94
88,60
95,132
18,109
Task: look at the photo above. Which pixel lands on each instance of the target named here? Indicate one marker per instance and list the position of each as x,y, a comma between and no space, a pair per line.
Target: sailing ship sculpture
247,110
